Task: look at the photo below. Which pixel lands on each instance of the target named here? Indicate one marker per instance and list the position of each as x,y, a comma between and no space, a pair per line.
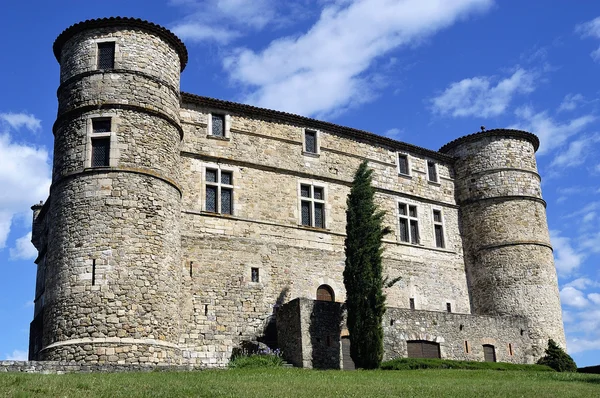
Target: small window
510,349
218,125
409,223
411,302
310,141
255,275
106,55
219,191
100,151
325,293
448,307
101,125
432,174
466,346
312,206
438,227
403,164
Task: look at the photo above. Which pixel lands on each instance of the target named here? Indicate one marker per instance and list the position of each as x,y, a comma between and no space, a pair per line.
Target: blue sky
420,71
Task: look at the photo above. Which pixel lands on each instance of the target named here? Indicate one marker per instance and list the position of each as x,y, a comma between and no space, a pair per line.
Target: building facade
179,226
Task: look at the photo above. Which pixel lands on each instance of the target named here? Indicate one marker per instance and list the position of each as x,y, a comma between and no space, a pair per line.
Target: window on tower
106,55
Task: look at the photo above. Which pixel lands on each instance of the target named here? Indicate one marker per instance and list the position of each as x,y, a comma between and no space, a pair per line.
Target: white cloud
591,242
591,29
582,283
17,355
478,96
18,120
570,102
576,345
327,68
576,152
551,133
393,133
223,20
594,298
24,249
24,178
566,259
573,297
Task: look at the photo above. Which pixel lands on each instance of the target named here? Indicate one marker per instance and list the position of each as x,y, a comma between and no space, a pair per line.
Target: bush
422,363
256,361
557,358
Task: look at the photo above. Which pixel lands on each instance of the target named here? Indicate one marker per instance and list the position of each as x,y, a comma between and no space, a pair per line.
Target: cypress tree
557,358
365,301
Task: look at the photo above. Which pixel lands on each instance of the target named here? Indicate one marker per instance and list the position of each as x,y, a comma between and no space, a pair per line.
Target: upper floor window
409,223
106,55
438,227
218,125
432,174
100,142
403,165
311,144
219,191
312,205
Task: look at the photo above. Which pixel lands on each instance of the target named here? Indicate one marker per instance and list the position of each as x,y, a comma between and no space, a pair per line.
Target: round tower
508,256
113,257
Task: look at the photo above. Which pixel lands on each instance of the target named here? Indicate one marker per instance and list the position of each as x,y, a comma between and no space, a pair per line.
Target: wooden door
489,353
423,349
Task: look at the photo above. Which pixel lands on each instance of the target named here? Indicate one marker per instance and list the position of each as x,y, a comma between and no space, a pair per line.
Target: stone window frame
437,172
219,168
441,224
226,128
117,55
312,200
114,153
317,152
252,273
408,204
408,173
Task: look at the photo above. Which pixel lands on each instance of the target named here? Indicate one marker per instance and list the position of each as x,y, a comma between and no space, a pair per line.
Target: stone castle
179,227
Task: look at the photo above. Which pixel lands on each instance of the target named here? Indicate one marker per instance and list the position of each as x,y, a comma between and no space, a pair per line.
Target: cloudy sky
420,71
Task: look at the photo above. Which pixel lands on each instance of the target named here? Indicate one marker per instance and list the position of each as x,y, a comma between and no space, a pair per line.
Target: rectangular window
466,346
403,164
100,151
255,275
106,55
412,303
510,349
409,223
448,307
101,125
312,206
218,125
219,191
432,171
438,228
310,141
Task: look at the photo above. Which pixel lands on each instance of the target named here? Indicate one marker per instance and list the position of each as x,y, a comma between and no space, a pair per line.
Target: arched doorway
325,293
489,353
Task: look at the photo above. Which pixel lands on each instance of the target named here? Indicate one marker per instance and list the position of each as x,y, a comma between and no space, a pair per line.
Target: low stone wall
58,367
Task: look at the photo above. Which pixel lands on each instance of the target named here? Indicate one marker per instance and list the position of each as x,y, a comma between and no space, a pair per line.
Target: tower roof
164,33
511,133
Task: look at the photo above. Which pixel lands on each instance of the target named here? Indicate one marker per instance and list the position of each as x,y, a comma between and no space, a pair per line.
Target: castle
179,226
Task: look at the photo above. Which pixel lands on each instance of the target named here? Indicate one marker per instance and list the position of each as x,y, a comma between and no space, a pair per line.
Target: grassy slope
304,383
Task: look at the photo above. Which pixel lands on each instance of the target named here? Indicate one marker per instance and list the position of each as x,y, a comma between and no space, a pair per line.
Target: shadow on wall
324,332
269,333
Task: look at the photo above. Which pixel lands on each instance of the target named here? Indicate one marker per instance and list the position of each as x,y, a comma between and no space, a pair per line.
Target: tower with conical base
112,247
508,256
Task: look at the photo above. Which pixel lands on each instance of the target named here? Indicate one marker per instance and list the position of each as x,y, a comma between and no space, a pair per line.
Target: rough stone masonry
179,226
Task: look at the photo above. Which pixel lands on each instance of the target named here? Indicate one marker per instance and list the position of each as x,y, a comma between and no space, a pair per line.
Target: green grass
281,382
256,361
417,363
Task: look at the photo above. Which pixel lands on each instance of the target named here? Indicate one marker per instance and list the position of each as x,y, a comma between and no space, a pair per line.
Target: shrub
557,358
422,363
256,361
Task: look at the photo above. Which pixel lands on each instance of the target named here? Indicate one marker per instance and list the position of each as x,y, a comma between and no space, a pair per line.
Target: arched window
325,293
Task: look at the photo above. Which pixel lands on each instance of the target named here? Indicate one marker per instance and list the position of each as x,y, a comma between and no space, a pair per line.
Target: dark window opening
312,209
489,353
391,322
448,307
408,223
205,309
439,236
101,152
437,216
93,272
219,192
255,275
325,293
211,199
432,171
466,346
218,125
106,55
412,303
510,349
403,164
101,125
310,141
191,268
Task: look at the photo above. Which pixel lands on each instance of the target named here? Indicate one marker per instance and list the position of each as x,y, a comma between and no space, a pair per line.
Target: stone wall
62,367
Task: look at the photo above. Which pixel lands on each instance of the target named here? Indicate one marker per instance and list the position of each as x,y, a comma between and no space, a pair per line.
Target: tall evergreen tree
363,279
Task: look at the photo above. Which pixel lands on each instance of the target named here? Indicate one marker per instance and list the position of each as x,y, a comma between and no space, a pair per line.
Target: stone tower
113,244
508,256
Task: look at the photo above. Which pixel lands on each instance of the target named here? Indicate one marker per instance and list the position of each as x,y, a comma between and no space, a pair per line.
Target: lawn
304,383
